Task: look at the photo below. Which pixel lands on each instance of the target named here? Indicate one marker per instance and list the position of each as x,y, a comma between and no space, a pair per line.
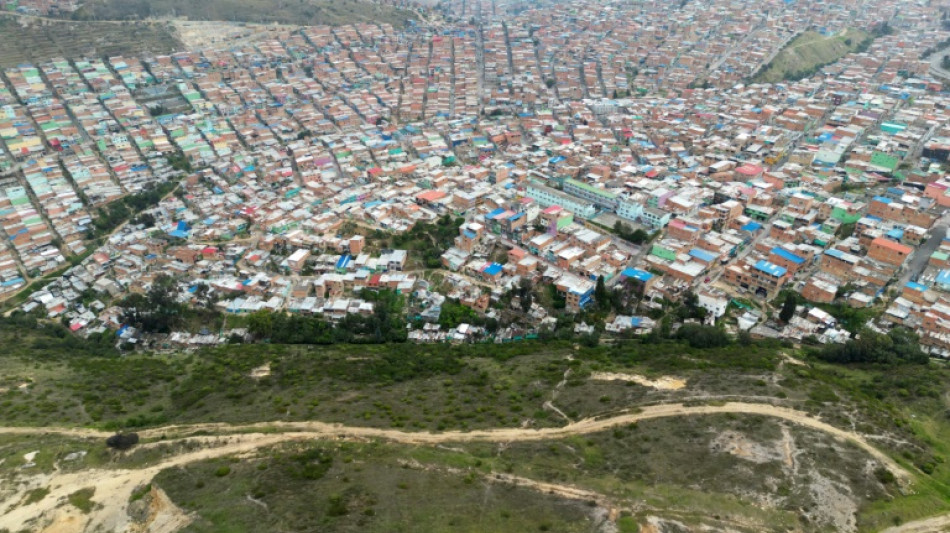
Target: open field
808,52
29,39
674,466
649,433
311,12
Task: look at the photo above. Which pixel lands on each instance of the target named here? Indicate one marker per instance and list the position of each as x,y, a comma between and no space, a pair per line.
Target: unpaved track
927,525
113,487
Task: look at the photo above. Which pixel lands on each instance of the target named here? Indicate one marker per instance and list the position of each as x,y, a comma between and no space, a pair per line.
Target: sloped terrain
808,52
31,40
310,12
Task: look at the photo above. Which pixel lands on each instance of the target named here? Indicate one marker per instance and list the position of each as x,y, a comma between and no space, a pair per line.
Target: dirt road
928,525
113,487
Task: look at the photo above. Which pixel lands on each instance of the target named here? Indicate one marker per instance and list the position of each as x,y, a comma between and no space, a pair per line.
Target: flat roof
637,274
788,256
770,268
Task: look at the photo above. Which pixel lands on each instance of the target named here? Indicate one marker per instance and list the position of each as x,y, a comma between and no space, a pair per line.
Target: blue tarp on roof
896,234
637,274
751,226
770,268
495,213
882,199
343,261
702,255
916,286
943,278
469,234
788,256
492,269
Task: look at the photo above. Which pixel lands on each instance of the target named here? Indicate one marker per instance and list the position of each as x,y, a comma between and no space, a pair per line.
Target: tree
526,302
898,346
260,324
600,293
845,230
698,336
788,308
158,311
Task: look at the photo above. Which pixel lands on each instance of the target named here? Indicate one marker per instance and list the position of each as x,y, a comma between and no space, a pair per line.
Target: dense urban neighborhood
584,166
468,266
603,161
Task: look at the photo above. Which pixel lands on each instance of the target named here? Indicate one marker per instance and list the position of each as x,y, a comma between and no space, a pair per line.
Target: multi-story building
601,198
762,277
546,196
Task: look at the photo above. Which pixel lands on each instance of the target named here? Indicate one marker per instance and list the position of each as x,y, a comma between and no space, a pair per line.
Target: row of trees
115,214
385,324
896,347
157,311
430,241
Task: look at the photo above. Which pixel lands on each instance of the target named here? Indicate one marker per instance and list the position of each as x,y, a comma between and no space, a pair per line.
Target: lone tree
524,294
788,308
600,294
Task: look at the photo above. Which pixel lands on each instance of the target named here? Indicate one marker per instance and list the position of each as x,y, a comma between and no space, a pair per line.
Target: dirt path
113,487
662,383
589,425
927,525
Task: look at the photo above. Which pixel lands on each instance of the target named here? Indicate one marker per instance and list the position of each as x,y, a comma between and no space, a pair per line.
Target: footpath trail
114,486
927,525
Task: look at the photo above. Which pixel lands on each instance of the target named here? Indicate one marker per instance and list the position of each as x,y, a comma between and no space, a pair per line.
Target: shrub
122,441
885,476
699,336
82,499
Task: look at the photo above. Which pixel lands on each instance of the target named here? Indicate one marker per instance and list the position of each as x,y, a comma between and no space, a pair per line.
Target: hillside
516,437
29,39
808,52
312,12
97,30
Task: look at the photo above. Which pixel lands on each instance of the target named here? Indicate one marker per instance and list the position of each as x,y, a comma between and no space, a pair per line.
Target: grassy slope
665,468
42,39
353,487
37,42
311,12
809,50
